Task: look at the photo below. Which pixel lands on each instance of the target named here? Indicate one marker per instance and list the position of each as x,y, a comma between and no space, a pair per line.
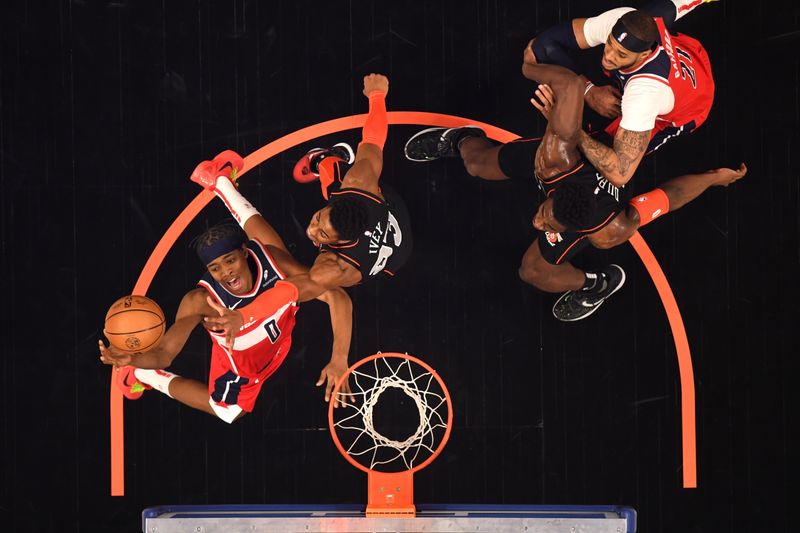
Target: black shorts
517,158
557,248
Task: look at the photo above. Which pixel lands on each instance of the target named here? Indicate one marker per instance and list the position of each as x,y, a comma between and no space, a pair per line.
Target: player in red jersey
663,86
364,232
239,271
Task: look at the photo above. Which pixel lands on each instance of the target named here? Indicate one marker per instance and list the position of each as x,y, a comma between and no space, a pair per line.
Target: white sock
237,204
684,7
158,379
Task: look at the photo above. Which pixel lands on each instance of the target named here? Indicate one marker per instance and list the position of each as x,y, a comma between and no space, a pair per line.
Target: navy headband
628,40
219,248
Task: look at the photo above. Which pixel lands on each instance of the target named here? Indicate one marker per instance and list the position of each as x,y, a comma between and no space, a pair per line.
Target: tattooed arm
617,164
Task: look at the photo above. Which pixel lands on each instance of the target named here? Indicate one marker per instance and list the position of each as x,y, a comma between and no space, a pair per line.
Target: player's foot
306,169
131,387
575,305
227,163
435,143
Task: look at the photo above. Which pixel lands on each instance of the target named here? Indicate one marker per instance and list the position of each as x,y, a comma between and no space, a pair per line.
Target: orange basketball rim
390,493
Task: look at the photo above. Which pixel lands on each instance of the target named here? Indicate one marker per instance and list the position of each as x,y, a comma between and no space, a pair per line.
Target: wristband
586,90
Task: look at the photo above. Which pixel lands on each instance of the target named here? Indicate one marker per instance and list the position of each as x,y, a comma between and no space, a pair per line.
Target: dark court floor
107,106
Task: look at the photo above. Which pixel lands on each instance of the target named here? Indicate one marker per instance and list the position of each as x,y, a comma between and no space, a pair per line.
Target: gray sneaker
434,143
576,305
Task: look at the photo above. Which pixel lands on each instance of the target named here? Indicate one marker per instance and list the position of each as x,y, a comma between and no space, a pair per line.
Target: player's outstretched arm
669,196
366,171
683,189
341,309
190,313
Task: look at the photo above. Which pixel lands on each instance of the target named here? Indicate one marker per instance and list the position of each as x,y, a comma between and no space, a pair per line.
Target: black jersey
386,245
610,198
556,248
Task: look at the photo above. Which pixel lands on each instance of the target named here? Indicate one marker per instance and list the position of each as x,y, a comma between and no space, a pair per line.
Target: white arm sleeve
596,29
645,99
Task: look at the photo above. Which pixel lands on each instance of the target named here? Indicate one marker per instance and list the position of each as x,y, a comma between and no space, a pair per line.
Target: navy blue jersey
265,274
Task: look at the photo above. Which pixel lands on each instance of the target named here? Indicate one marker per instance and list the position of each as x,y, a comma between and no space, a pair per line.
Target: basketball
134,324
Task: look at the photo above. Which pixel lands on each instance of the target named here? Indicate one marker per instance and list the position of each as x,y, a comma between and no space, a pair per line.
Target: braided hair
217,240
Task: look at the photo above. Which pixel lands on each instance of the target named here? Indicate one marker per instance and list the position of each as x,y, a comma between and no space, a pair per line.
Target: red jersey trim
365,194
665,81
559,177
558,261
603,223
349,259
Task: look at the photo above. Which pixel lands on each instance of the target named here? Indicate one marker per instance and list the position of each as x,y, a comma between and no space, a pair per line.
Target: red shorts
226,387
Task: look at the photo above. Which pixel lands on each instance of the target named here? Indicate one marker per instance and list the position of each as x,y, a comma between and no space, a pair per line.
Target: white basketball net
367,389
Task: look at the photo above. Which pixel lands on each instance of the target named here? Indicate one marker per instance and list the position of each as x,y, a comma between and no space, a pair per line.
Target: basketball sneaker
435,143
306,169
227,163
576,305
131,387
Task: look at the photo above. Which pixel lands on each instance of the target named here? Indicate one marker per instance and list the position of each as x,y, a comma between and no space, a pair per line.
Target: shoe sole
594,307
350,155
412,139
126,388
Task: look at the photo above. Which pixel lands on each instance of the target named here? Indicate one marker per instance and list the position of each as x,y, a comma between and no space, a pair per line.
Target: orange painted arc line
291,140
684,356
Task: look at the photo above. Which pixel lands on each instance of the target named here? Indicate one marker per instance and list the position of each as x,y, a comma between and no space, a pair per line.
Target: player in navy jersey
240,270
580,206
364,231
662,85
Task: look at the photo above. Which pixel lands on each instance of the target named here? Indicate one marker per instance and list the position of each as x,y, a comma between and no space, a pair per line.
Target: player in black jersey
364,230
579,207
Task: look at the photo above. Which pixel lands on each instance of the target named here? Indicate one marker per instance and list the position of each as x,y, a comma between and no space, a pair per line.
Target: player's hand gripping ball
134,324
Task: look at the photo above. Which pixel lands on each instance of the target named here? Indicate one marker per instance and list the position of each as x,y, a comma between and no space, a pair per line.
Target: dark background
107,106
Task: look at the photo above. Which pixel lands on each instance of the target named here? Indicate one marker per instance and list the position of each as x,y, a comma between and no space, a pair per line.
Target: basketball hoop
389,461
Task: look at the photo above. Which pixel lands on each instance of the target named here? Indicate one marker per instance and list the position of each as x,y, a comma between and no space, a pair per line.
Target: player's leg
324,164
671,10
546,275
546,266
219,176
481,159
481,156
134,381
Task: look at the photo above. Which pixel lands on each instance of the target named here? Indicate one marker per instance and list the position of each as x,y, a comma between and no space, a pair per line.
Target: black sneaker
575,305
435,143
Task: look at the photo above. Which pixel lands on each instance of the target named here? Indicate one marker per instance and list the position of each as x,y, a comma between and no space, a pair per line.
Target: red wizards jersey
261,346
682,64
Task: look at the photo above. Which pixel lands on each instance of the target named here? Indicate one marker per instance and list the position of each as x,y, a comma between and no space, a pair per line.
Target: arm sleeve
645,99
596,29
377,125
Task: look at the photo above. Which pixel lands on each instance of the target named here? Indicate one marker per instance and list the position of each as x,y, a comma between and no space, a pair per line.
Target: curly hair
574,205
641,25
348,218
